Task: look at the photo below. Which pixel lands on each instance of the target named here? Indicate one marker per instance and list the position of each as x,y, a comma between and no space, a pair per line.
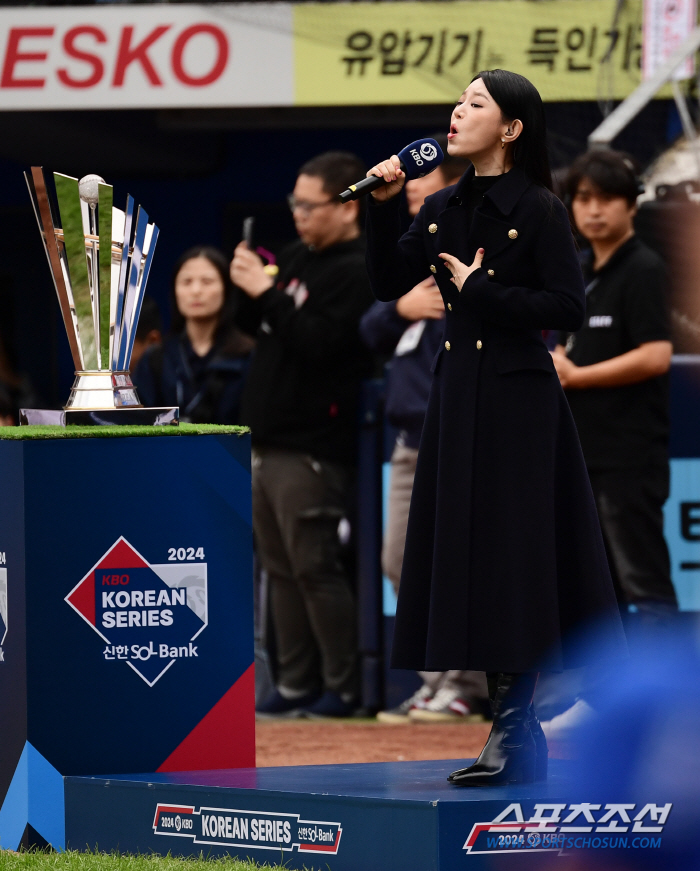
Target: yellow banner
427,52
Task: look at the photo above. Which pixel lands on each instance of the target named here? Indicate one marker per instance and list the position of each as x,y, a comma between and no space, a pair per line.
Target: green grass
102,432
73,861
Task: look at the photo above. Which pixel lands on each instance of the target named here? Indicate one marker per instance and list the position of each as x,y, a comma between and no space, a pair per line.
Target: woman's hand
460,271
248,273
395,178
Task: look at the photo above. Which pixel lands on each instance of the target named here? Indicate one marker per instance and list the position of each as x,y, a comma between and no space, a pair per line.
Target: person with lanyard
615,374
202,364
504,562
411,329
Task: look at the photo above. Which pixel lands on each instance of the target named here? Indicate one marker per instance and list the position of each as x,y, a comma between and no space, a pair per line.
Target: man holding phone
301,404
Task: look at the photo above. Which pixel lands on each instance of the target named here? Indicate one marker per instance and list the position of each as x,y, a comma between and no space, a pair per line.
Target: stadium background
201,169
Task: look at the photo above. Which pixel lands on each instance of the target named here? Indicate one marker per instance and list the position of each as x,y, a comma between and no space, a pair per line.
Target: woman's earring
503,143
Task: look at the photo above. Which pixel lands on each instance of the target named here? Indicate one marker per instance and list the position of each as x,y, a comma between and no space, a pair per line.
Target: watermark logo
259,830
562,828
148,615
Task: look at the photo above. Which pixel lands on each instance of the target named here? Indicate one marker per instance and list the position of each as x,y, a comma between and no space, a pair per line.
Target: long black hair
226,333
517,97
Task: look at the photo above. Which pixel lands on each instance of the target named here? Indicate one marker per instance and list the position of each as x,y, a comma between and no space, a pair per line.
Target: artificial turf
97,432
74,861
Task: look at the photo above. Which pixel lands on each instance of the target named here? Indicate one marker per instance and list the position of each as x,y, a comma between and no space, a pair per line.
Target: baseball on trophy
88,188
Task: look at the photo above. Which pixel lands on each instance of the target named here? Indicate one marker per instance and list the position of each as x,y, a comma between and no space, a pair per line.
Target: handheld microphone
417,159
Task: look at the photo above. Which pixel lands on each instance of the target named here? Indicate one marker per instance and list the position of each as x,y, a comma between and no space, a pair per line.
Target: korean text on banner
311,54
667,23
379,53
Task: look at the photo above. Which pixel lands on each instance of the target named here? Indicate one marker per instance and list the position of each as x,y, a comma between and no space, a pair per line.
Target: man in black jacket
615,373
301,404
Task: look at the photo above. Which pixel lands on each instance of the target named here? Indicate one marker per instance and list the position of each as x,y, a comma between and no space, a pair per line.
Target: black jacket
207,389
504,560
626,306
409,378
303,387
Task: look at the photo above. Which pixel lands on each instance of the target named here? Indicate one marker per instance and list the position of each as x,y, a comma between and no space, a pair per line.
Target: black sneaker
329,705
276,705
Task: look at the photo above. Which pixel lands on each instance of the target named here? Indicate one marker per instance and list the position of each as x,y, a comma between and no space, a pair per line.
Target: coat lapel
506,192
489,226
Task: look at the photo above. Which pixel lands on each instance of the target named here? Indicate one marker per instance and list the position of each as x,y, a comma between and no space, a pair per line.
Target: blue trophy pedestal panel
126,615
396,816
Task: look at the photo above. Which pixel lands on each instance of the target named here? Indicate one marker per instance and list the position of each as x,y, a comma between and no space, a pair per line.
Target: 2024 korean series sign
311,54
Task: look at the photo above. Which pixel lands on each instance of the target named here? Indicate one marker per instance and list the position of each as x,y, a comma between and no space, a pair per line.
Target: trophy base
100,417
100,389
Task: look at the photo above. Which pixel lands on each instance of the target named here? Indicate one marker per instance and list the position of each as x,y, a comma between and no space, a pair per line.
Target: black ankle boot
541,749
509,755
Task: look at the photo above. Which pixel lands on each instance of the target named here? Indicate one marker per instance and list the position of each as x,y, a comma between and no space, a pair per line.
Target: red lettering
124,580
93,60
106,581
13,56
126,55
115,580
219,64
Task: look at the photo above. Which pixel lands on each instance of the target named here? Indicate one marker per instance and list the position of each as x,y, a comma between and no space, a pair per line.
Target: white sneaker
401,713
566,724
446,706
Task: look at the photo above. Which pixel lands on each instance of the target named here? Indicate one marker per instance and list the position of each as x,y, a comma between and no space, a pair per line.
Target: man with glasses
301,404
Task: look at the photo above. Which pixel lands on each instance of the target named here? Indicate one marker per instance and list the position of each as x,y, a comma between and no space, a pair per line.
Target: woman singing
504,560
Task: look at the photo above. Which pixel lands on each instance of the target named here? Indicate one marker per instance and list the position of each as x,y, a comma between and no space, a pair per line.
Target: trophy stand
100,259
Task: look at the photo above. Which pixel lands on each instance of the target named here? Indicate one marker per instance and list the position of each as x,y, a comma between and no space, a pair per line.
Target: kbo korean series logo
148,614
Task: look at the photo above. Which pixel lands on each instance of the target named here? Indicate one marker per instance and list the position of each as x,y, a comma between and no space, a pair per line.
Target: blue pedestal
398,816
126,639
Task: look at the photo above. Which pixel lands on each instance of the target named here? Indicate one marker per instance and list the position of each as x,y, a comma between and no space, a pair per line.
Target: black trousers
298,502
630,503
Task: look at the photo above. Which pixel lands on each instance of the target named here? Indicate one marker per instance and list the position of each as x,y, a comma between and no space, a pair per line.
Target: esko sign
80,44
158,56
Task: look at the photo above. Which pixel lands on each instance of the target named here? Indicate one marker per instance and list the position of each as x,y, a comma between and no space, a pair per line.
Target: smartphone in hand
248,227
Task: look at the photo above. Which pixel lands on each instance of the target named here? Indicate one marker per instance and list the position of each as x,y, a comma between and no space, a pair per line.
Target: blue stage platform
369,817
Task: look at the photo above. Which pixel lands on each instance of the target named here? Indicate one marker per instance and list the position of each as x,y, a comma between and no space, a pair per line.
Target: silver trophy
100,258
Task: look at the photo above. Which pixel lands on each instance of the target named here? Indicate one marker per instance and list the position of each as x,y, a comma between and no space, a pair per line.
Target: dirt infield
334,742
323,742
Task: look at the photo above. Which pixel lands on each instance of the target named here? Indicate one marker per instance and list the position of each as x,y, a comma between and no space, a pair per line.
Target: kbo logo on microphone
148,615
422,153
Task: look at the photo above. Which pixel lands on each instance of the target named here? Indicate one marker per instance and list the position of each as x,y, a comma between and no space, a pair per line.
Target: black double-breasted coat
504,562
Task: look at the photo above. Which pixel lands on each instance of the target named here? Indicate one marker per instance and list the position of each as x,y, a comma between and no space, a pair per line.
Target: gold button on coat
449,306
447,346
432,228
491,273
512,234
433,269
479,345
